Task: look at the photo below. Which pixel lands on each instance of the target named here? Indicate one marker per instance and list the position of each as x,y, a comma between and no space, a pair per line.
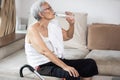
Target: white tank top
33,57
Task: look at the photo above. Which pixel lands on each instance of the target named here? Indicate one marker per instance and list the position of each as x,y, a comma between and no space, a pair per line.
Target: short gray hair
36,8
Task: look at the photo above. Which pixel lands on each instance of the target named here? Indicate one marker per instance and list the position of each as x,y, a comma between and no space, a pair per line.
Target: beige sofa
104,43
98,41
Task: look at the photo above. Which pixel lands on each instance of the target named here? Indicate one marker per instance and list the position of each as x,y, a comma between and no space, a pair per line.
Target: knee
91,62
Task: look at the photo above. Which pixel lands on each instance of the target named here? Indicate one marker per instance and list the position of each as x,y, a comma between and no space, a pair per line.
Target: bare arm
68,34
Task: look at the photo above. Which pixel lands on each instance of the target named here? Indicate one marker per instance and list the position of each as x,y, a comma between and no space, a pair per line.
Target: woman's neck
44,23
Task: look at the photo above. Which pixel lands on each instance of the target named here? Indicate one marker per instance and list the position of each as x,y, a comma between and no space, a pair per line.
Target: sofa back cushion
80,31
104,36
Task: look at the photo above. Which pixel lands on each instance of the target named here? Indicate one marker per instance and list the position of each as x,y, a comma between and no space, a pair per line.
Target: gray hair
36,8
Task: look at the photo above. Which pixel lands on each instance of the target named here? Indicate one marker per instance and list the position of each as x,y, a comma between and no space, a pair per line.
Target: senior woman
44,46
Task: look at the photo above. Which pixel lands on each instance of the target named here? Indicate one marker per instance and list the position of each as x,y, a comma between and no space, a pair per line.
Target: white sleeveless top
34,58
54,43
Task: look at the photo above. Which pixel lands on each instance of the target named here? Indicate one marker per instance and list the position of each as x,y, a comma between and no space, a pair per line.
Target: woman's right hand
72,71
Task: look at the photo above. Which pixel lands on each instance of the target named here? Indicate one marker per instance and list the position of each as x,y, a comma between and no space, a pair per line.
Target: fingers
70,17
70,73
73,72
70,20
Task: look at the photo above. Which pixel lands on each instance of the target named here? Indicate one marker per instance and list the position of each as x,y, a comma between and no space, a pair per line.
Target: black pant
85,67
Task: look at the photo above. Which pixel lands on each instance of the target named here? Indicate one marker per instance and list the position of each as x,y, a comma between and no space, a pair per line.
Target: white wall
23,10
103,11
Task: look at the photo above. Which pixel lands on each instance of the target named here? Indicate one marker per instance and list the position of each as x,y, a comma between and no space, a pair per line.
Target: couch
98,41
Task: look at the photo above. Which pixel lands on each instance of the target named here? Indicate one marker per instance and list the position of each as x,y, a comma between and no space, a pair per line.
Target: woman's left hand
70,18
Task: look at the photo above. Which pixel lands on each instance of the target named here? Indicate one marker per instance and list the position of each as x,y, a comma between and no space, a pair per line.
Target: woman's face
47,12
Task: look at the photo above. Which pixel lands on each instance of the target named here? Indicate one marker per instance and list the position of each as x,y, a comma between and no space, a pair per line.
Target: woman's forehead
45,5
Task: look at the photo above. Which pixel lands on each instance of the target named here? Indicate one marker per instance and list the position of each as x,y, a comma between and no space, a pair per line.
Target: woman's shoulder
32,30
33,27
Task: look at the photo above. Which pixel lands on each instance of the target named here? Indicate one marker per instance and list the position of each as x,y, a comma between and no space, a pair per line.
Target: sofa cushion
104,36
75,53
108,61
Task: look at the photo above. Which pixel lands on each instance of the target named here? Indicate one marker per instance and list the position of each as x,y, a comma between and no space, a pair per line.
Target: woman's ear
40,14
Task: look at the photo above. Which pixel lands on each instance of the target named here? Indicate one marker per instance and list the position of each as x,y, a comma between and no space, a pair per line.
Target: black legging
85,67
